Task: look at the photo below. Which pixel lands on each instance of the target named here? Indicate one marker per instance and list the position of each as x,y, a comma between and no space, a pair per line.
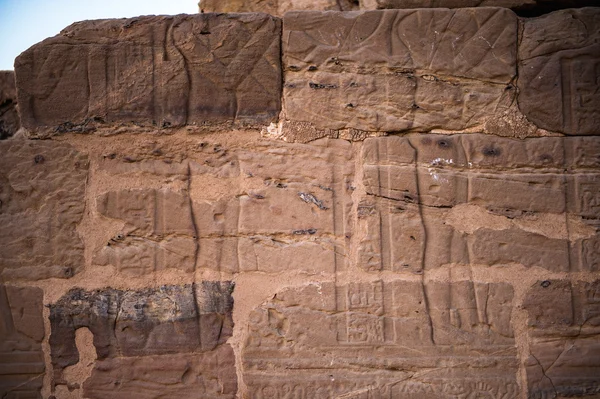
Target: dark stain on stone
491,151
318,86
153,321
444,143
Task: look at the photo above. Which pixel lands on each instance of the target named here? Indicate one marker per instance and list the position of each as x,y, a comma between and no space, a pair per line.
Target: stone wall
374,204
280,7
9,115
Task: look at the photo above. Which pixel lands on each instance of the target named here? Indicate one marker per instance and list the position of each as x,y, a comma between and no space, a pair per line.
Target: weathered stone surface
270,217
197,375
42,186
21,333
559,71
383,340
564,339
527,7
397,70
202,69
139,328
417,187
276,7
9,115
449,3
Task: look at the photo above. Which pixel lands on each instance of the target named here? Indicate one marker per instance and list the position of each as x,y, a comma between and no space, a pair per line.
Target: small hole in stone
545,284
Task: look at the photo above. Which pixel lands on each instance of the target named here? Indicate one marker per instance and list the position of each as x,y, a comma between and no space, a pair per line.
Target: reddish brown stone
398,70
202,69
42,186
413,183
564,339
129,326
383,340
559,71
21,333
9,114
276,7
185,375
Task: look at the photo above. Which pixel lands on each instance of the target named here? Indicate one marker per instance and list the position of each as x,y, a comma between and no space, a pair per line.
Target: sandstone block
42,187
9,115
392,236
132,327
202,69
21,334
451,3
199,375
376,339
417,186
396,70
276,7
564,336
266,205
558,71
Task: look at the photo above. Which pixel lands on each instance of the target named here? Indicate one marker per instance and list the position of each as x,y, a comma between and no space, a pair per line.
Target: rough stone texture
280,7
276,7
526,6
519,191
397,70
449,3
249,227
9,115
42,194
138,333
564,339
383,340
21,334
189,375
438,263
559,68
202,69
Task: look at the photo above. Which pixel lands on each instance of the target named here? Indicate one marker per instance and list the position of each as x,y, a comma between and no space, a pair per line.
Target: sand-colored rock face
280,7
367,205
156,71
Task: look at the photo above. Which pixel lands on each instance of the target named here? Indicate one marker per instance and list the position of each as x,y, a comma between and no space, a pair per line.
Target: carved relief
402,322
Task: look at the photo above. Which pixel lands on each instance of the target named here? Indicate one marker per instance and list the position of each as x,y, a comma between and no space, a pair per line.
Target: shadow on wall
9,116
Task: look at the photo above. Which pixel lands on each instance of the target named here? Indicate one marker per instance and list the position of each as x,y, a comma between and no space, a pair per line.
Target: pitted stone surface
564,339
276,7
398,70
415,184
275,216
21,334
559,71
9,116
42,199
383,340
202,69
388,234
142,329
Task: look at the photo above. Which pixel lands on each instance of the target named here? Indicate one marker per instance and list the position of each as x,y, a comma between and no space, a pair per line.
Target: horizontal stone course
21,334
143,331
559,71
9,115
202,69
388,234
370,71
398,70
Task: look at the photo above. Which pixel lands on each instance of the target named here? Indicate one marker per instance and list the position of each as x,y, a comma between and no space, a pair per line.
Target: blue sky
26,22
